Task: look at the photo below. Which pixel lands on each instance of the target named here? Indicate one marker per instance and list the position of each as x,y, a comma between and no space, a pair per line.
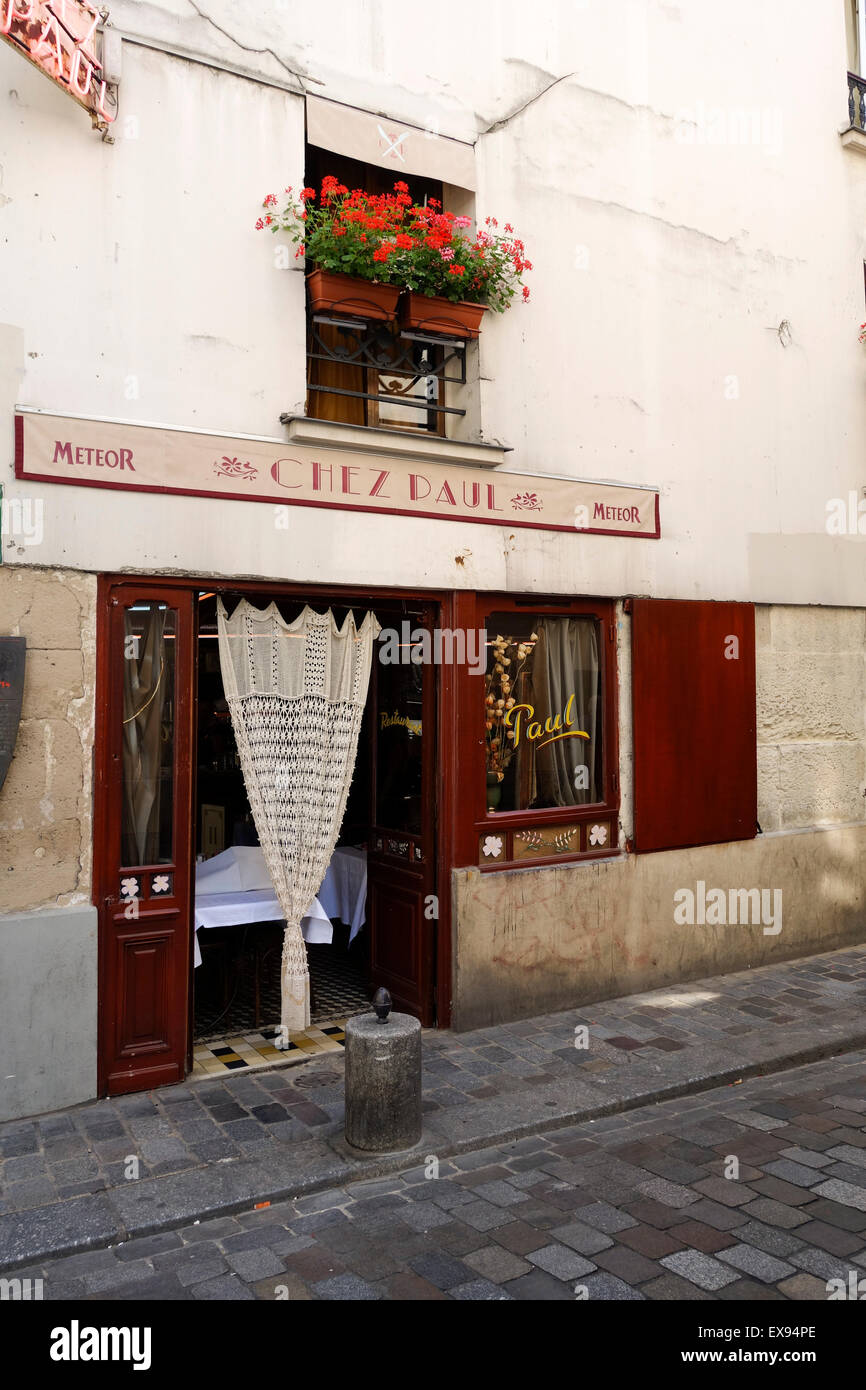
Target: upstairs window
364,372
855,34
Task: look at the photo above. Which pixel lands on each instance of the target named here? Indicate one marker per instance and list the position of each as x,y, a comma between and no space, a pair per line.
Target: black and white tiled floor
228,1038
249,1051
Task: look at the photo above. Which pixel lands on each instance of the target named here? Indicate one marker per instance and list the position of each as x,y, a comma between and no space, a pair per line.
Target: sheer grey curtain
144,688
566,665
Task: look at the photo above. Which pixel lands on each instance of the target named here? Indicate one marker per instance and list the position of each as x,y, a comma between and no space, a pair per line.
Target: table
238,909
343,893
234,888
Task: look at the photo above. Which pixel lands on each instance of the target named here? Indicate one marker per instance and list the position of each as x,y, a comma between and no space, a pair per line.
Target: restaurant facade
563,621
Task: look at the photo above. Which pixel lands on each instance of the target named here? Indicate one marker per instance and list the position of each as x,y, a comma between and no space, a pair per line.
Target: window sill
854,139
366,439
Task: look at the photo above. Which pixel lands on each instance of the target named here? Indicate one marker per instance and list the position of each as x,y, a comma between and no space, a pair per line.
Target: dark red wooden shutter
695,755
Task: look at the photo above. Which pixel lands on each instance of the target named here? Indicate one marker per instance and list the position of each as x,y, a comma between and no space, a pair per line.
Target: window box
432,314
333,293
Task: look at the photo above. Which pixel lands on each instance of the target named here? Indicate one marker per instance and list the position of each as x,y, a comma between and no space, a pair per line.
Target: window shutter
693,702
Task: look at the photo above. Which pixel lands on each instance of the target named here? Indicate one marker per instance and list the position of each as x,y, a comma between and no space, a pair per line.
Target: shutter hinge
615,776
627,605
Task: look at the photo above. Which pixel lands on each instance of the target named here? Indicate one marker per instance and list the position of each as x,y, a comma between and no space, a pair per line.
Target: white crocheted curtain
296,693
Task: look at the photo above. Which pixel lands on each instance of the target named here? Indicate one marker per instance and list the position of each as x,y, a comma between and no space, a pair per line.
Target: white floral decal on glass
492,846
129,887
160,884
598,835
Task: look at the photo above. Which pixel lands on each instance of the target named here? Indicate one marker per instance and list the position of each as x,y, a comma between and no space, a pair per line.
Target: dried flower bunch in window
512,658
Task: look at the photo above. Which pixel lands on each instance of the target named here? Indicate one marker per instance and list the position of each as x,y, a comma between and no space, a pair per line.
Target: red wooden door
401,909
142,861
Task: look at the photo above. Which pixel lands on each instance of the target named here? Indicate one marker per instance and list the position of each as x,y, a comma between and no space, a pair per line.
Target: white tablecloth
343,893
237,908
234,888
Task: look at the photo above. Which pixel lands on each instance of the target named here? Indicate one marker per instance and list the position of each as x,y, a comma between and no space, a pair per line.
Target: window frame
478,820
431,423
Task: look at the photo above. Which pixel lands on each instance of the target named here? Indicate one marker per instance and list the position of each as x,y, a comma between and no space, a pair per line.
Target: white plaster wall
650,352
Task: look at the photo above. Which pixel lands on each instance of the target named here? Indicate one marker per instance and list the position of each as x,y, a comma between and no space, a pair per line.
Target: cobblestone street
105,1172
209,1146
635,1206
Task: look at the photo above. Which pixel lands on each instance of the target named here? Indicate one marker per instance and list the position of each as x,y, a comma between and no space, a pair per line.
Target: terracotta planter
333,293
431,314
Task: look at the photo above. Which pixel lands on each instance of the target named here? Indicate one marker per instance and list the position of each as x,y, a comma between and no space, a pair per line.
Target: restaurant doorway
172,819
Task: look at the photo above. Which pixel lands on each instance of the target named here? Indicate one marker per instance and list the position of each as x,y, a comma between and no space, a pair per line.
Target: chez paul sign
64,40
146,458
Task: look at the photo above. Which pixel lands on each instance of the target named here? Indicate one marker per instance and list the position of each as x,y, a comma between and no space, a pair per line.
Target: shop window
363,372
543,712
693,694
538,729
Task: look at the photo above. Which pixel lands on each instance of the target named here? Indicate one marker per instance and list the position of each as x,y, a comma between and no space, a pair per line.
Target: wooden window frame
373,178
475,821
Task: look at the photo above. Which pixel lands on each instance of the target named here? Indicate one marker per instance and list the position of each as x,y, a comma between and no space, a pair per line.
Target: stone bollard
383,1082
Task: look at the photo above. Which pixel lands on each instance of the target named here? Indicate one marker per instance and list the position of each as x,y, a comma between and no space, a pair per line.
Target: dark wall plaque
11,692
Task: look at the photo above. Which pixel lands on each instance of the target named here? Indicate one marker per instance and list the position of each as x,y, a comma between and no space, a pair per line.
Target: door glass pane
543,713
398,747
149,636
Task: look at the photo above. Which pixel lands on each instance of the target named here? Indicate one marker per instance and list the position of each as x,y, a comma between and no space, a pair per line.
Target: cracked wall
45,802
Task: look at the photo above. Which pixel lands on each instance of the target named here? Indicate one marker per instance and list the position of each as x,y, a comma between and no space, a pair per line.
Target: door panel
143,850
402,852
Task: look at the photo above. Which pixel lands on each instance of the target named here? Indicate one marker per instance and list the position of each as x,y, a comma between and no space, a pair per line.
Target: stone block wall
811,710
46,800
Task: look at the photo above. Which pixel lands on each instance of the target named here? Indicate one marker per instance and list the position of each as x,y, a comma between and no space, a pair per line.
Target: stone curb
103,1219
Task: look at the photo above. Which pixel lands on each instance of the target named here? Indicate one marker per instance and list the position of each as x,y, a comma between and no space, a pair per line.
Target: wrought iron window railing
857,101
397,376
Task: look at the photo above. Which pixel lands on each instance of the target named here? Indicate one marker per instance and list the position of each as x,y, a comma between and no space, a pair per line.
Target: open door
402,851
142,836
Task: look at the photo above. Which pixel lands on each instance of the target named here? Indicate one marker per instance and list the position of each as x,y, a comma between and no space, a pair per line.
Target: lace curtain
296,694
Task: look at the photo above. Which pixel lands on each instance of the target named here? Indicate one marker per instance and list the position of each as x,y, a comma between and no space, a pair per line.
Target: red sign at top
60,38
